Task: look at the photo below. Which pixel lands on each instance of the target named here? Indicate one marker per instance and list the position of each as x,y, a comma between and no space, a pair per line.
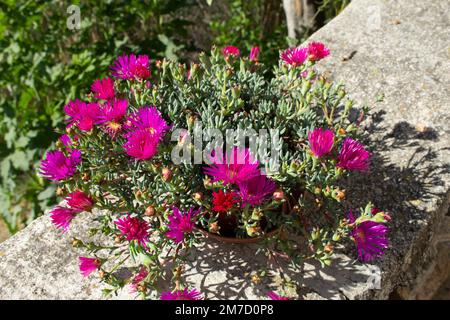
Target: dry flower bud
150,211
166,174
198,196
278,195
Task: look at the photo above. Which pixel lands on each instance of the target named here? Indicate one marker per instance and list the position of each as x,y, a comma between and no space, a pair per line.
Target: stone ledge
405,60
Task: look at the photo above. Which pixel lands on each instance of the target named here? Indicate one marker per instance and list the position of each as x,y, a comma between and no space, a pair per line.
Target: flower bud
117,239
101,274
328,248
256,279
166,174
214,227
198,196
253,231
60,191
278,195
76,243
85,177
150,211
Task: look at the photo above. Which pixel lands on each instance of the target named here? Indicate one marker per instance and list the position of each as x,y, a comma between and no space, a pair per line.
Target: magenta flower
185,294
133,228
103,89
61,217
254,53
238,166
89,265
294,56
150,120
317,51
321,141
181,223
231,51
65,140
56,166
255,190
272,295
131,67
83,115
141,144
80,201
353,156
138,278
370,238
111,114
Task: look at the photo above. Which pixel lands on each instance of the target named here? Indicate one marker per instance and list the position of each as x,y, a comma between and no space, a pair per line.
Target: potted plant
226,148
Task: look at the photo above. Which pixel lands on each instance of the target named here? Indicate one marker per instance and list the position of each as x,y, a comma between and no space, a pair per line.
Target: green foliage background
44,64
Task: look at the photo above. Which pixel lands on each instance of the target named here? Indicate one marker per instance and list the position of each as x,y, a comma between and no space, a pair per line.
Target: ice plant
103,89
254,191
231,51
149,119
254,53
133,228
83,115
353,156
138,279
273,296
185,294
237,166
294,56
141,144
370,238
223,201
111,115
321,141
317,51
157,189
181,223
130,67
80,201
61,217
57,166
88,265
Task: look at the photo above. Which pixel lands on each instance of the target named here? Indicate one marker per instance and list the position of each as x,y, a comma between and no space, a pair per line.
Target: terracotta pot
223,239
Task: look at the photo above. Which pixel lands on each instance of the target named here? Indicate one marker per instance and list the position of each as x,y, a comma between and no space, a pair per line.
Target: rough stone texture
392,51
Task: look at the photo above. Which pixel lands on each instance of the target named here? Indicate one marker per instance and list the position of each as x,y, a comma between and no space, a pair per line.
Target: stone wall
394,57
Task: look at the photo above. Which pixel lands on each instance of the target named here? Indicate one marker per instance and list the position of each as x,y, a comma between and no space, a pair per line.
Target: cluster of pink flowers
235,52
241,169
146,128
76,202
315,51
352,155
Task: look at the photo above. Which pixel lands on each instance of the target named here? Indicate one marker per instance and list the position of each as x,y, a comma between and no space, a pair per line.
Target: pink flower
353,156
294,56
65,140
150,120
272,295
254,53
185,294
56,166
89,265
317,51
131,67
238,166
79,201
83,115
103,89
138,278
370,238
111,114
133,228
255,190
321,141
61,217
181,223
231,51
141,144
